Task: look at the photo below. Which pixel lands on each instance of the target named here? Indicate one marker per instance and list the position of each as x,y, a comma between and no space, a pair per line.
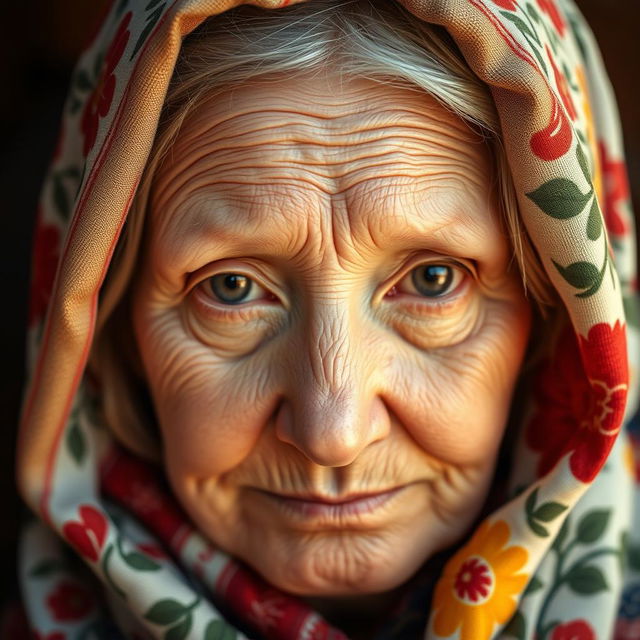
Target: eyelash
413,301
458,277
229,312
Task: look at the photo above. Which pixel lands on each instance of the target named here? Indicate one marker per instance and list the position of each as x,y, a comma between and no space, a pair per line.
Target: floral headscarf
113,555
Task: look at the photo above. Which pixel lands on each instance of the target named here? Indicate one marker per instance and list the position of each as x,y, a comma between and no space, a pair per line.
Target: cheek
455,401
210,409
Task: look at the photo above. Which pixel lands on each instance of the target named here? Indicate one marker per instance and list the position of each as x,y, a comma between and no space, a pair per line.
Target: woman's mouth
351,509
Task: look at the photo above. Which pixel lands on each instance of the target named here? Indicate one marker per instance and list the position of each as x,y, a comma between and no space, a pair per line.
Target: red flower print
266,610
549,7
473,581
616,191
507,4
574,630
69,601
554,140
99,102
88,535
136,485
563,86
580,396
46,253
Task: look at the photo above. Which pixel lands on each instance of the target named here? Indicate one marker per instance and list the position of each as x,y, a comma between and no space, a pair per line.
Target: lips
330,510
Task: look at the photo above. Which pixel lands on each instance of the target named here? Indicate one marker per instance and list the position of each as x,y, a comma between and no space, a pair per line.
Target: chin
338,564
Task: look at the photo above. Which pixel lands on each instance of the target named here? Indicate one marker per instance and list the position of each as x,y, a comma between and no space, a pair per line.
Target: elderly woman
339,274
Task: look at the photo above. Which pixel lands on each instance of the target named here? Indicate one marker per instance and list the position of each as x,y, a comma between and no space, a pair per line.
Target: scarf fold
112,554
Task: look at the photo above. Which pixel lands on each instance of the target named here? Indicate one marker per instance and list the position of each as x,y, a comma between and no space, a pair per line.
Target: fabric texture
112,555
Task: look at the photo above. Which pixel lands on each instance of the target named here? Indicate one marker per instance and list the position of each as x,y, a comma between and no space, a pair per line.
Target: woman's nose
332,409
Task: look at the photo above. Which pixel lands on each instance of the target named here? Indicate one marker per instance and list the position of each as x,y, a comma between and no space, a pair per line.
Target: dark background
40,41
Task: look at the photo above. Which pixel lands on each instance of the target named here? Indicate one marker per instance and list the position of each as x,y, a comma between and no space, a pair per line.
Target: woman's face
330,328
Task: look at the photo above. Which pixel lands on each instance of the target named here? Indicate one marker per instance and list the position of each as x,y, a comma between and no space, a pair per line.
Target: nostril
333,433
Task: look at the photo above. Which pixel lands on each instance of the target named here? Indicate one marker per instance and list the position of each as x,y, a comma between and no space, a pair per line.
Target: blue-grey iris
230,288
432,280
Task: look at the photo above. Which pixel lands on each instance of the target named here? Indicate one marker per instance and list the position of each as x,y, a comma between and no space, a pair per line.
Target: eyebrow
212,225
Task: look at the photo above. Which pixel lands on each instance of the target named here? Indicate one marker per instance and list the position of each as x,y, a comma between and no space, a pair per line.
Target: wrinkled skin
335,377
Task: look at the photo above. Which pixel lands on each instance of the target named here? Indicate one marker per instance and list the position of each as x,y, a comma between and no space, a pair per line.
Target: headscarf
112,554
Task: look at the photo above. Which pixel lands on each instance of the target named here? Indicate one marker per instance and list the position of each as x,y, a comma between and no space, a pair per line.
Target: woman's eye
233,288
431,280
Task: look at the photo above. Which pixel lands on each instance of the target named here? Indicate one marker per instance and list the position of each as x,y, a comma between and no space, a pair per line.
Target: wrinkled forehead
366,158
326,122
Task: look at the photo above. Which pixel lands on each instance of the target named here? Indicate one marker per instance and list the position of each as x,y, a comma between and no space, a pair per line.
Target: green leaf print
180,631
45,568
521,26
122,5
594,223
64,182
83,81
546,512
592,526
171,612
152,20
560,198
166,611
580,275
586,580
60,197
140,562
633,556
530,504
97,65
535,584
517,627
219,630
76,443
583,162
562,536
531,10
136,560
623,549
106,560
549,511
585,275
581,576
577,34
529,34
632,310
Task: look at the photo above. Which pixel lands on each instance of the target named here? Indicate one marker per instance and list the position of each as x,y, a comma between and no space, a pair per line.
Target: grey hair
374,39
370,39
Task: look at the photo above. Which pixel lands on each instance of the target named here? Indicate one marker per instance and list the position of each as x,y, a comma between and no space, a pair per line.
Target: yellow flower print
591,131
629,455
479,583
